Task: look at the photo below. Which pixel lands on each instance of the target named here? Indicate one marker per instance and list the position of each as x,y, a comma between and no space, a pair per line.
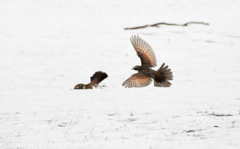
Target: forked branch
163,23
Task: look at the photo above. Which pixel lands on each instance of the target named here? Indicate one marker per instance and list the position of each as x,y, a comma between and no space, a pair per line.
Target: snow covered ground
47,47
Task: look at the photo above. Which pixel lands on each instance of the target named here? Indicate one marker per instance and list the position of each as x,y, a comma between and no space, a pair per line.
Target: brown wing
97,78
144,51
137,80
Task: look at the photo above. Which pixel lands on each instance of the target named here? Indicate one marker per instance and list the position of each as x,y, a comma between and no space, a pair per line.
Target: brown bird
95,80
145,74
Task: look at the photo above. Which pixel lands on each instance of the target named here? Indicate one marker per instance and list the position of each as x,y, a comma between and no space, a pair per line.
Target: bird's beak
132,69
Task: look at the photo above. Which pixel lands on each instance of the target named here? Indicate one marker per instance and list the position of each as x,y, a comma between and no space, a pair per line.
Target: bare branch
163,23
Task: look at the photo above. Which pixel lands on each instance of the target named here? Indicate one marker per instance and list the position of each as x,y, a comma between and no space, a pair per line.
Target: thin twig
163,23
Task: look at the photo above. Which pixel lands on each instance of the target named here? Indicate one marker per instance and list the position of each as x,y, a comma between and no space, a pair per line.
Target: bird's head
80,86
136,68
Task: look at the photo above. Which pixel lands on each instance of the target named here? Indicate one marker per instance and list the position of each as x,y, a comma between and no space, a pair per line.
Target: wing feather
144,51
137,80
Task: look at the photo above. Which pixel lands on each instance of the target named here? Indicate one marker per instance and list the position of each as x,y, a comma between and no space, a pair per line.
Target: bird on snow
145,74
95,80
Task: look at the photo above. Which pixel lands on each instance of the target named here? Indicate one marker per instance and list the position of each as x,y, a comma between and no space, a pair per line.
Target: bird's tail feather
97,78
166,74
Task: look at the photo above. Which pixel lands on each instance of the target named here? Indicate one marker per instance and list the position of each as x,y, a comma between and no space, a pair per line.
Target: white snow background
47,47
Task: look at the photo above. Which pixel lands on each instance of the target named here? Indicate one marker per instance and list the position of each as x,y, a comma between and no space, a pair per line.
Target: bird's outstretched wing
137,80
144,51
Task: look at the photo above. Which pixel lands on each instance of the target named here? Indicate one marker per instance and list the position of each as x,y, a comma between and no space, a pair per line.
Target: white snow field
47,47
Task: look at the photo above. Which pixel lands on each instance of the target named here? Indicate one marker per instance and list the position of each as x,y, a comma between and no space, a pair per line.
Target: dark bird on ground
145,74
95,80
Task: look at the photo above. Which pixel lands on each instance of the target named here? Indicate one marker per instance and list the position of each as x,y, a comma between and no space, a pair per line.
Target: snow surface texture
47,47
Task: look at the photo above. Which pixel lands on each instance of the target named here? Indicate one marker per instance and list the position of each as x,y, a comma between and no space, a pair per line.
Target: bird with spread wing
145,74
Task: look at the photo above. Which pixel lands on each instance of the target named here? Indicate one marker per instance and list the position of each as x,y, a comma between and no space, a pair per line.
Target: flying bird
95,80
145,74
